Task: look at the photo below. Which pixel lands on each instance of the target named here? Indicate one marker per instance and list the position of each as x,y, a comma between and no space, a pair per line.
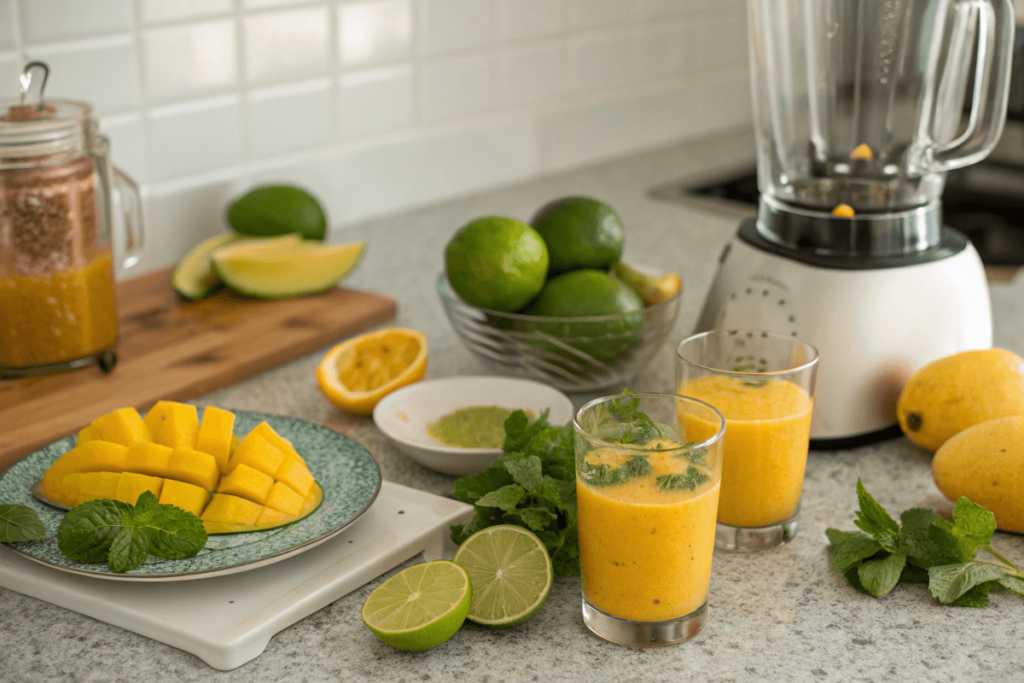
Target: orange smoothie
768,424
645,554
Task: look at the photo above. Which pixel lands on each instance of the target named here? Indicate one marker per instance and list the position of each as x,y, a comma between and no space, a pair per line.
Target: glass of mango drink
763,383
647,496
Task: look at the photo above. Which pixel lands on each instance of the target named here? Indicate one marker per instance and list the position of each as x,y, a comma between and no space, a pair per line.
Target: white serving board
227,621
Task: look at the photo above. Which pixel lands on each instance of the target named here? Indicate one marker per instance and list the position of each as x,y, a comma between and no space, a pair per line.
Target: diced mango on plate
233,485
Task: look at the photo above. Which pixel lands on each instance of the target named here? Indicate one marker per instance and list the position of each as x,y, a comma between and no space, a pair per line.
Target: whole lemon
953,393
497,263
985,463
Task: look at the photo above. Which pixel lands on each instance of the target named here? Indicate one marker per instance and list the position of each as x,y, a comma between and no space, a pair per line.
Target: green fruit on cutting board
580,232
272,210
283,267
496,263
193,277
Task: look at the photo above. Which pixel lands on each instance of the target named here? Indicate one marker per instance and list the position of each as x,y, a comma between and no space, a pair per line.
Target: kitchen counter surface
777,615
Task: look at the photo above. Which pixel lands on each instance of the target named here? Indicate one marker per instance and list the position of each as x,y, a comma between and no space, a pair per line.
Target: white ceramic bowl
403,416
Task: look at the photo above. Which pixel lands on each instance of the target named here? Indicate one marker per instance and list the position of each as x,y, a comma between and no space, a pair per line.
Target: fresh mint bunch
925,548
123,535
20,523
532,484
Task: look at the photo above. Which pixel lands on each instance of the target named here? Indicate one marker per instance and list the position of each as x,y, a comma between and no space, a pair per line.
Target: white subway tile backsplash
521,19
531,74
172,10
659,9
288,44
658,50
289,118
183,61
48,20
74,67
198,136
128,149
601,61
456,87
376,101
374,32
178,218
594,13
10,68
451,25
8,25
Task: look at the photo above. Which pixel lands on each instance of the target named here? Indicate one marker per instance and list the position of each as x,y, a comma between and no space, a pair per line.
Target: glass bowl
571,354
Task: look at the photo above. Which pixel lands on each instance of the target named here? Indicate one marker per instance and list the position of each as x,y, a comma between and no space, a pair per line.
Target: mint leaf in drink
880,576
604,475
850,548
173,533
88,529
949,582
129,549
698,456
20,523
505,498
682,482
872,517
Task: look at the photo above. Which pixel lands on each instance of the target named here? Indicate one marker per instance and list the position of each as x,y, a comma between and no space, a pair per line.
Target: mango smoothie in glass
647,494
763,384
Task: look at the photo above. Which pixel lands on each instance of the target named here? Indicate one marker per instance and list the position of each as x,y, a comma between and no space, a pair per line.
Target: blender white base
873,327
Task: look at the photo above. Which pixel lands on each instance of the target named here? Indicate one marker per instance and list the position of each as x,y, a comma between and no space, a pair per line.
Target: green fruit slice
272,210
285,266
193,277
420,607
511,574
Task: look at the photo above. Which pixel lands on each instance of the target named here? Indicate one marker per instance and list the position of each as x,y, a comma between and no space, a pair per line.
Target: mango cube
270,517
185,496
215,435
85,435
131,485
173,424
124,426
193,467
92,485
245,482
257,453
92,456
227,509
294,473
284,499
282,444
149,458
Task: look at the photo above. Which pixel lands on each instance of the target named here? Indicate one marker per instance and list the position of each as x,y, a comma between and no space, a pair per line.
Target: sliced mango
93,456
92,485
149,458
124,426
184,496
232,510
193,467
284,499
247,483
173,424
85,435
131,485
294,473
276,440
269,517
257,453
215,435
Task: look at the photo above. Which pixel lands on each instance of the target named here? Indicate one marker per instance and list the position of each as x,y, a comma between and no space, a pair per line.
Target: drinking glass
763,383
647,496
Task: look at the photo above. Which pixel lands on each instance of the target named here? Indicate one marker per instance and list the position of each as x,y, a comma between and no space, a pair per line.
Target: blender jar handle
128,218
995,21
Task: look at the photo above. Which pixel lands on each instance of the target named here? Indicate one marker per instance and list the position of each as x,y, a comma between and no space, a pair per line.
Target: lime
271,210
580,233
511,574
420,607
193,277
497,263
286,266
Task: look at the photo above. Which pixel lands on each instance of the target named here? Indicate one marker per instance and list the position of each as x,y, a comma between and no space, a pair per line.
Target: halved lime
420,607
511,574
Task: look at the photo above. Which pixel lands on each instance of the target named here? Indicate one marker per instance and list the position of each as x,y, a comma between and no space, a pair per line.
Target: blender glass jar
56,228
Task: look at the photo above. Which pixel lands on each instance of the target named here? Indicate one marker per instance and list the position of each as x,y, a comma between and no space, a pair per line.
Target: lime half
420,607
511,574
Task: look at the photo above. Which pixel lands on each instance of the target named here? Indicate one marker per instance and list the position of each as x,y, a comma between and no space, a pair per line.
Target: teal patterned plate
345,470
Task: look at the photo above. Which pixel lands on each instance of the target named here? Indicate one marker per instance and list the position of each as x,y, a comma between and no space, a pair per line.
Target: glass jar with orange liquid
56,231
763,383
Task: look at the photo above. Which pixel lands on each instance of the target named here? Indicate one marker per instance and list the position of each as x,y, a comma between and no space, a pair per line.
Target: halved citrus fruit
356,374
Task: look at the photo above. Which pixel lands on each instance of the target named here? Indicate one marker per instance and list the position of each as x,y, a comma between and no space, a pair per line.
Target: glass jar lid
33,127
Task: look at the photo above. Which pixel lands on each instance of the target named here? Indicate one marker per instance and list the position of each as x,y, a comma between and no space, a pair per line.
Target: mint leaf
525,470
604,475
1012,583
912,574
470,489
698,456
173,533
505,498
20,523
87,530
129,549
872,517
535,519
975,597
880,576
914,540
682,482
949,582
849,548
519,430
972,528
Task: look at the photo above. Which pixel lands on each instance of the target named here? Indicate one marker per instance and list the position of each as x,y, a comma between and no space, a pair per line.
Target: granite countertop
777,615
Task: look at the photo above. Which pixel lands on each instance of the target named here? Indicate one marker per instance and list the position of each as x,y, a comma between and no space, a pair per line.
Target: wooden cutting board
169,349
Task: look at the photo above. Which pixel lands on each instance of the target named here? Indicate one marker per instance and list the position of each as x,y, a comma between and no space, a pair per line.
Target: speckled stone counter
779,615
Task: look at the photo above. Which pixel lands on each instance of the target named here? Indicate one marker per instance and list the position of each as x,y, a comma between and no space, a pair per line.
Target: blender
861,106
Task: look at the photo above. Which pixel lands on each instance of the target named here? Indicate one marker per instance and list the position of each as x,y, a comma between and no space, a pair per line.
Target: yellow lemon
956,392
356,374
985,463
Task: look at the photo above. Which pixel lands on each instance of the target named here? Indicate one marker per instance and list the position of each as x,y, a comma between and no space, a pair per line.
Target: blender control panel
762,302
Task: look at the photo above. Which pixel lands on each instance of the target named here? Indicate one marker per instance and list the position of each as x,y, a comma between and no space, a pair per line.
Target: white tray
228,621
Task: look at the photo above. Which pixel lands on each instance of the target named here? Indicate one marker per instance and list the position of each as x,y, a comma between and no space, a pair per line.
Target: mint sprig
124,536
19,523
925,548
